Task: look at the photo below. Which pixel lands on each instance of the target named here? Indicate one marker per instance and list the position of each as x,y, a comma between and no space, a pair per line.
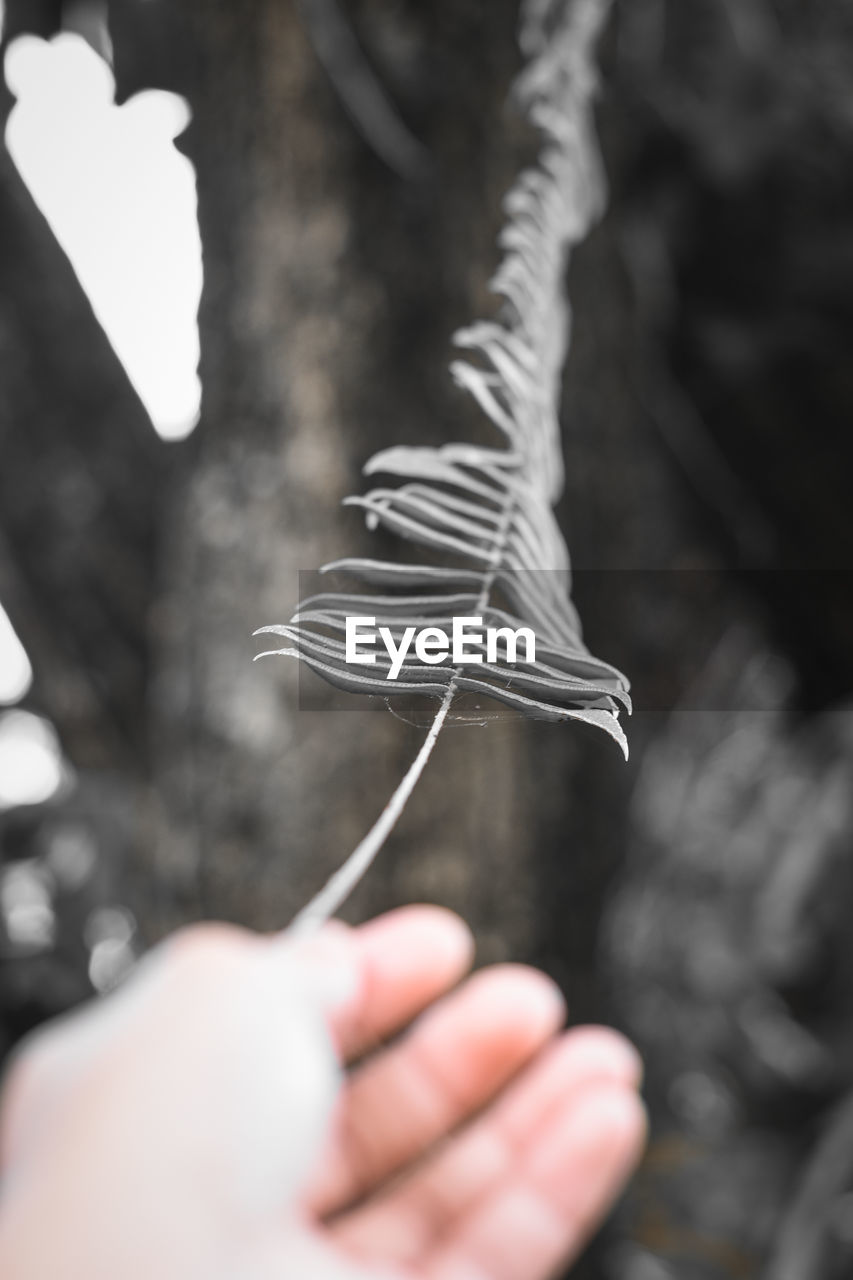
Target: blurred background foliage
701,898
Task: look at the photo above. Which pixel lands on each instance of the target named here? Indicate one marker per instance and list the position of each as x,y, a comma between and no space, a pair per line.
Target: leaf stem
339,886
325,903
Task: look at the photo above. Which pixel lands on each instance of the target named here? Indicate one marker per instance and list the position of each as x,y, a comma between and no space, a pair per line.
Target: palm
482,1145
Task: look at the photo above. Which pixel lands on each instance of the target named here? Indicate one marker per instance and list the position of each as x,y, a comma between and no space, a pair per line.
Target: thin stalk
338,888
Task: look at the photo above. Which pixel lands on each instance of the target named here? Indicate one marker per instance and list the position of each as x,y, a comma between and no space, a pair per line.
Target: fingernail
454,946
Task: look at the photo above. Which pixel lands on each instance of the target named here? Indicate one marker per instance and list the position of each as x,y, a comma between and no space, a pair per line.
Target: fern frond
488,512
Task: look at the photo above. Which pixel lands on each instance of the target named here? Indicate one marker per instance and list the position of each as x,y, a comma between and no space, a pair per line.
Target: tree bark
331,287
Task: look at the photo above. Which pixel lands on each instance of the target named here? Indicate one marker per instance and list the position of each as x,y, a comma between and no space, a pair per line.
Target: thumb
231,1066
189,1127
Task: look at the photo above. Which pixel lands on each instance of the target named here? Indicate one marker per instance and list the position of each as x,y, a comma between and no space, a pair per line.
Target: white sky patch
16,674
121,201
31,765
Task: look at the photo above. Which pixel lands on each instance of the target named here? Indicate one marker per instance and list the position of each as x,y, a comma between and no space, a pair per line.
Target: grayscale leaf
487,512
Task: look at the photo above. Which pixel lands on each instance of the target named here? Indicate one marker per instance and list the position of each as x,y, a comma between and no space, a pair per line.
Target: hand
174,1131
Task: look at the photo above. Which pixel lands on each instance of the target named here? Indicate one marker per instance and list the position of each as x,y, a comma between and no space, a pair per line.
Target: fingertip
598,1052
519,994
429,933
621,1113
587,1155
617,1122
404,960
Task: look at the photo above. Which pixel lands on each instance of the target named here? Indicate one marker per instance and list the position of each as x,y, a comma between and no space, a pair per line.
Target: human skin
196,1125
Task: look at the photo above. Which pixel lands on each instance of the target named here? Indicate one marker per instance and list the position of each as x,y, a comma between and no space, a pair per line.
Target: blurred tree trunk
331,288
332,285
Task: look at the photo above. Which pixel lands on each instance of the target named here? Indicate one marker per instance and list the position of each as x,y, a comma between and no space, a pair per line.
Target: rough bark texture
324,318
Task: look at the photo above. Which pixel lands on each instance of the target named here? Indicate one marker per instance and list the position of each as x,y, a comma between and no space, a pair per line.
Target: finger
401,1225
540,1217
379,977
452,1062
402,962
